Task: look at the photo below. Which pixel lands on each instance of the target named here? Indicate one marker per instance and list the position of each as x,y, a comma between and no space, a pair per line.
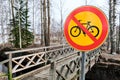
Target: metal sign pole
83,66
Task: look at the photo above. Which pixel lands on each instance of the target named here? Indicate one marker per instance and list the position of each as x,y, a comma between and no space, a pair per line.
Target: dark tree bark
26,19
48,10
119,36
109,36
45,24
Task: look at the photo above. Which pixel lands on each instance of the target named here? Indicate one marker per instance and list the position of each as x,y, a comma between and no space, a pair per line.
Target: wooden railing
72,68
35,57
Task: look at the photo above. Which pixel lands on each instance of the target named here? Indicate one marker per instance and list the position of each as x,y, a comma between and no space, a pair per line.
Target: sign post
85,29
83,66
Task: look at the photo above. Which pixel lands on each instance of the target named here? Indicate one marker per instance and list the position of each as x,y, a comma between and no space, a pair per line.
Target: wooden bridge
60,62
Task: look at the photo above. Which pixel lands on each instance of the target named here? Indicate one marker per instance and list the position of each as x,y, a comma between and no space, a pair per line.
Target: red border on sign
104,22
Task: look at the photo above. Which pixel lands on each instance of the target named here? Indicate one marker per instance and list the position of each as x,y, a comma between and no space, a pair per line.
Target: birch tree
33,22
109,36
112,12
61,20
119,36
42,30
2,25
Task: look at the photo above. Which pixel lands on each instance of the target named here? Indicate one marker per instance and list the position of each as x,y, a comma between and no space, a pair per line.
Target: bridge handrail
39,53
70,69
3,62
45,50
33,49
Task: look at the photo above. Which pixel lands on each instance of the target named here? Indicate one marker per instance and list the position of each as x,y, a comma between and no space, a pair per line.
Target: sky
70,5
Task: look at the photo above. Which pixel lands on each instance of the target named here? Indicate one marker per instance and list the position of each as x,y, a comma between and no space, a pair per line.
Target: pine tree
21,25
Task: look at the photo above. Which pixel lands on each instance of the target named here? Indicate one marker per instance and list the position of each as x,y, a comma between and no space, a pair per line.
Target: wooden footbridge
60,62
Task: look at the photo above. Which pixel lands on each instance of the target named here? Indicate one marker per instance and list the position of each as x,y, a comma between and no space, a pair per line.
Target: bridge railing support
37,57
83,62
40,56
52,71
4,69
10,67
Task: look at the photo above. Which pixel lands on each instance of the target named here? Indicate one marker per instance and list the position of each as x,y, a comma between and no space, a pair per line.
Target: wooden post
45,55
10,67
52,70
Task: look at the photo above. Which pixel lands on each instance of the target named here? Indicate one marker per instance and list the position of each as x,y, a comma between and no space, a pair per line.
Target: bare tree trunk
33,22
108,42
110,22
7,28
9,19
61,22
45,23
9,9
12,2
13,17
20,37
26,13
48,9
2,27
42,30
26,20
113,30
6,21
119,36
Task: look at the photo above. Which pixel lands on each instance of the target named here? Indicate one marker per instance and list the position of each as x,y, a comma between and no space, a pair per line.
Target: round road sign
86,28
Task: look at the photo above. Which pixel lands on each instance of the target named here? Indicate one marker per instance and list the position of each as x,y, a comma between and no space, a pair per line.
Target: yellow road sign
86,28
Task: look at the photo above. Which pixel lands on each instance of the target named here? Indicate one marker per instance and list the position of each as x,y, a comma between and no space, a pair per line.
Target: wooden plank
5,61
27,55
40,58
18,63
31,72
32,49
10,67
27,67
52,71
16,66
30,60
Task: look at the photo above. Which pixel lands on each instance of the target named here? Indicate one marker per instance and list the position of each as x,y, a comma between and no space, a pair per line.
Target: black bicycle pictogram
75,31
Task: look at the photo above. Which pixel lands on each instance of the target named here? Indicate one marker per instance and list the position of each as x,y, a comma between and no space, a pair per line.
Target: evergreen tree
21,25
